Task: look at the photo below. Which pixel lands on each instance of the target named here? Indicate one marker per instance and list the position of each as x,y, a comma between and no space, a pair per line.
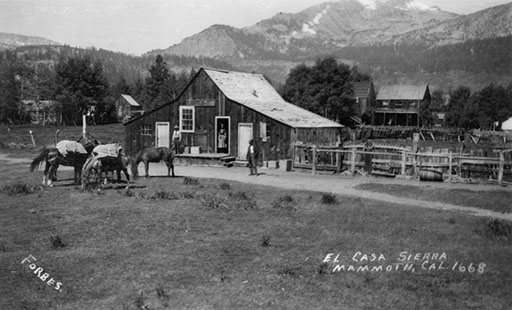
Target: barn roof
130,100
256,93
402,92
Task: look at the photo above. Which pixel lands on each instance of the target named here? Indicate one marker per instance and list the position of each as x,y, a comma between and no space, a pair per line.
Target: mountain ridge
12,41
323,27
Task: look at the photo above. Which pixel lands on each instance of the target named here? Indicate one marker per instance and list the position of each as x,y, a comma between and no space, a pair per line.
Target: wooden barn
399,105
220,111
127,108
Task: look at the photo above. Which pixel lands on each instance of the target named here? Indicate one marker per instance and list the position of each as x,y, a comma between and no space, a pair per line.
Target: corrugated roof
402,92
130,100
256,93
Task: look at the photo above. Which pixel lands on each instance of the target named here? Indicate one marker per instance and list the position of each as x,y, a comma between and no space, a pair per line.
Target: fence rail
392,161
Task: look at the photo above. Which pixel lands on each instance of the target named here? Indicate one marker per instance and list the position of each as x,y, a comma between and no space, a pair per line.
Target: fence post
450,166
313,169
353,164
502,167
404,159
32,138
339,159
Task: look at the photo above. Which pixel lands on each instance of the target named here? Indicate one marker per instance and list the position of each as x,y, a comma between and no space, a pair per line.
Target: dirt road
302,180
338,184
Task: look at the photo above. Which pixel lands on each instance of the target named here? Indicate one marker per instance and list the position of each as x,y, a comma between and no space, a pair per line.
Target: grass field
16,139
495,200
188,243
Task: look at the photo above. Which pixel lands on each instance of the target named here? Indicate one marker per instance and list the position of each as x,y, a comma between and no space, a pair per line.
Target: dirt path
300,180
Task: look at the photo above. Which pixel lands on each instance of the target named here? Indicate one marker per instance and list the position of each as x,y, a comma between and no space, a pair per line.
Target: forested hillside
475,56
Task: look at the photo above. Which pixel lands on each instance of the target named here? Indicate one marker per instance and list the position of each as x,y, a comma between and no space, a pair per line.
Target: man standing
252,155
176,139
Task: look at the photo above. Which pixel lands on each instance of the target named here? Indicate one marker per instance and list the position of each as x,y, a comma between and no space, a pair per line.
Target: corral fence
477,136
391,161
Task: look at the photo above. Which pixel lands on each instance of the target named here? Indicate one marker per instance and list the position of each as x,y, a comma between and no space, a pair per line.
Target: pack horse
104,159
66,153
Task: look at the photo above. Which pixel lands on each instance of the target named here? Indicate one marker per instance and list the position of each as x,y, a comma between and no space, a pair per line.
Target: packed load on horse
105,158
65,153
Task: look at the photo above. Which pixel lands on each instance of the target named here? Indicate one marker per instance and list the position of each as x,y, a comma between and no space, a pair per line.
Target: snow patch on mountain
420,6
307,28
370,4
319,16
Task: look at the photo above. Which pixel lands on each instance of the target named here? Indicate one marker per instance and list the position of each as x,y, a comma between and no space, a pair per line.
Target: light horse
98,166
155,155
53,158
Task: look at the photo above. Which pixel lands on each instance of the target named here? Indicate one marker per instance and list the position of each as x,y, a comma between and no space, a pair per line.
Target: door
162,134
244,135
222,134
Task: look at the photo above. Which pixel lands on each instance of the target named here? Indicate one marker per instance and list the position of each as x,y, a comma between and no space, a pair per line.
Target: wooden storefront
220,111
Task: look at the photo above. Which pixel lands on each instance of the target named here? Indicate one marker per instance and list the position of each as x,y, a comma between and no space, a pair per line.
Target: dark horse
53,158
101,165
155,155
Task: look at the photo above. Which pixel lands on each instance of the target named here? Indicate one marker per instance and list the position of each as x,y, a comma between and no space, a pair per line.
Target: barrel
431,175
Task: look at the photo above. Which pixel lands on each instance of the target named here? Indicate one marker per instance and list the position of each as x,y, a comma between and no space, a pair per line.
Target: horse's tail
37,161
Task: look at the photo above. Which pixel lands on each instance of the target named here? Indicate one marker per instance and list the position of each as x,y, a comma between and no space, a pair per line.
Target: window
187,123
145,130
385,103
398,104
263,131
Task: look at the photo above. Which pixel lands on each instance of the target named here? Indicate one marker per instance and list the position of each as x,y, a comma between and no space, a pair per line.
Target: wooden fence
391,161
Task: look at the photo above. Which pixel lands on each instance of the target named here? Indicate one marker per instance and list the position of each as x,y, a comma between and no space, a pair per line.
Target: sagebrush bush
56,242
329,199
18,189
225,185
188,195
162,194
242,200
498,230
190,181
285,202
214,202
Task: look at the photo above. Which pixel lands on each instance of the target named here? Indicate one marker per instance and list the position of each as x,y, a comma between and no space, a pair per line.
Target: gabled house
364,94
127,108
219,111
41,111
399,105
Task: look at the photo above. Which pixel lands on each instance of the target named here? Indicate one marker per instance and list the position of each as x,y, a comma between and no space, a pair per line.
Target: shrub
243,200
56,242
329,199
214,202
324,268
162,194
498,230
160,291
190,181
284,202
225,185
265,241
188,195
127,193
18,189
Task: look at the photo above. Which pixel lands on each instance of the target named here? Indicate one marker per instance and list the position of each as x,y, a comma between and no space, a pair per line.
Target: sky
138,26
